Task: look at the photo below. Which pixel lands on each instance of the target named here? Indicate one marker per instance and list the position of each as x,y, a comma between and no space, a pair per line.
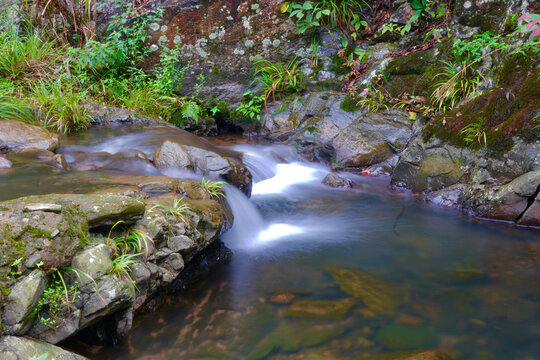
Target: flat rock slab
15,348
16,135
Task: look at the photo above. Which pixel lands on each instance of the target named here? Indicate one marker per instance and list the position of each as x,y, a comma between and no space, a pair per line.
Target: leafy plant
121,265
278,77
530,23
342,14
191,109
473,132
213,188
251,107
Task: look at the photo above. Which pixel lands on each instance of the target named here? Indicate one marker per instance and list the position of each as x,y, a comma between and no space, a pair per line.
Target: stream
437,279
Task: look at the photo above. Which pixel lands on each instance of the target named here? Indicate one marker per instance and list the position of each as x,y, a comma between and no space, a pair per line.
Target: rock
293,338
15,135
334,180
375,293
412,355
205,162
531,217
320,309
14,348
22,301
5,163
94,261
52,237
402,337
282,298
171,154
112,294
102,115
429,170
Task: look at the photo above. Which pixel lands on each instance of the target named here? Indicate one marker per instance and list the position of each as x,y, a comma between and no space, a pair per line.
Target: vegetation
213,188
178,210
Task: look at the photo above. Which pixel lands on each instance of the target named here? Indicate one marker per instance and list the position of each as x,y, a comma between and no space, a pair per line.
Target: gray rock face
334,180
171,154
205,162
372,139
15,135
15,348
22,301
5,163
94,261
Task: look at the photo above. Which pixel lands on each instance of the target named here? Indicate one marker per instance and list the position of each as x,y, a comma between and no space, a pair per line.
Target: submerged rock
401,337
375,293
334,180
412,355
13,348
320,309
15,135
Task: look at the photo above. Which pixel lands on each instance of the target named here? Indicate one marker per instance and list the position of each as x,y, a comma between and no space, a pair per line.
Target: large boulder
205,162
15,348
372,139
22,301
15,135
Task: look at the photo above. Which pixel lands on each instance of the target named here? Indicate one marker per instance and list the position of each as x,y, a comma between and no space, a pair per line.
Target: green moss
38,233
349,104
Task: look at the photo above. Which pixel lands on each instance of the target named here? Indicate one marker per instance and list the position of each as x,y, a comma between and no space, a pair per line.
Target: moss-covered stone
412,355
401,337
377,294
320,309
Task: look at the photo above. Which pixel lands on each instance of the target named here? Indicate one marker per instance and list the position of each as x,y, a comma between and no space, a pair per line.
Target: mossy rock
349,104
402,337
292,338
416,63
320,309
411,355
377,294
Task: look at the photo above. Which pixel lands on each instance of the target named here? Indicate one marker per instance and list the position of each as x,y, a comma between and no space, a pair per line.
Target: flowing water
323,273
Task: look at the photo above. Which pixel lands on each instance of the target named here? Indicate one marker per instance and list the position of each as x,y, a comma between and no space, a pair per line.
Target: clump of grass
474,132
458,82
61,106
28,56
213,188
278,77
178,210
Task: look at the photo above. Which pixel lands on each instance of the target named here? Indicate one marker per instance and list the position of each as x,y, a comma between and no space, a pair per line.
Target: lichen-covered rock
108,115
375,293
171,154
94,261
15,135
22,301
15,348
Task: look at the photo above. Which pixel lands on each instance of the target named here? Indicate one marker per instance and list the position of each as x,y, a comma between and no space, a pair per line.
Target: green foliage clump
213,188
251,106
55,301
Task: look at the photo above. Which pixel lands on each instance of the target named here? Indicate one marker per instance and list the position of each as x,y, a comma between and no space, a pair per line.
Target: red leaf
531,24
524,16
458,114
536,32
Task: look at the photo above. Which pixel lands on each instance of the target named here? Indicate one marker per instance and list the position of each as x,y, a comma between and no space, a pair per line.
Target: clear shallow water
467,287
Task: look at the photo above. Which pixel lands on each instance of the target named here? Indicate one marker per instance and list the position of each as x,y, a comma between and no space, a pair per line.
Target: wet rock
22,301
320,309
401,337
373,138
412,355
5,163
282,298
171,154
531,217
292,338
15,135
334,180
14,348
374,292
205,162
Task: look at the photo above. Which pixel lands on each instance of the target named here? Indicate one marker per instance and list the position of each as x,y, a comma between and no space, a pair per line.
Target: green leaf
326,12
307,5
